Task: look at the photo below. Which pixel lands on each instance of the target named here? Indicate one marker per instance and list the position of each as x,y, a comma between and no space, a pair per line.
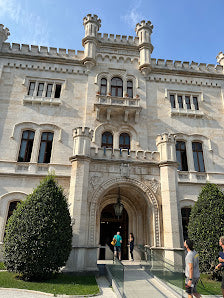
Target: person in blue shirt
117,247
221,262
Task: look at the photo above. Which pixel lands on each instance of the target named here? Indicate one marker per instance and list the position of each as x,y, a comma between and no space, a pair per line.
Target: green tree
39,233
206,225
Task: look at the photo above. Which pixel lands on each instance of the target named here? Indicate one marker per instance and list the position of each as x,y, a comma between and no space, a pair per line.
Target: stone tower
144,31
92,25
168,173
4,33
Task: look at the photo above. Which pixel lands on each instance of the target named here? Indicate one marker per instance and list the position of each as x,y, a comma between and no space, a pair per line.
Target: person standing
221,262
191,269
131,243
117,247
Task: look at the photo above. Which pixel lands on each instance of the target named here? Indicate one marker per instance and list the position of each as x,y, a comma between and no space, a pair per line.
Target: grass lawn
61,284
211,287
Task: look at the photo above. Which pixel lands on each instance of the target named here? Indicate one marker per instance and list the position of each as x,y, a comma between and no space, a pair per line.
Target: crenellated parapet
124,155
4,33
166,146
186,66
41,51
118,39
82,137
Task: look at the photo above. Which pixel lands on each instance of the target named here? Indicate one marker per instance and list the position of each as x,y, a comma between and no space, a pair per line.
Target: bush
38,234
206,225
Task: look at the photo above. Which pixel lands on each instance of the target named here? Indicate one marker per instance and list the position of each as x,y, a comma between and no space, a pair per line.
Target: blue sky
186,30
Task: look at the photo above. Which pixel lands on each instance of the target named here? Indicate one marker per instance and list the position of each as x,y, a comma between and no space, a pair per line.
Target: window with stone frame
26,146
107,140
181,156
45,147
117,87
103,87
198,157
184,101
48,89
124,141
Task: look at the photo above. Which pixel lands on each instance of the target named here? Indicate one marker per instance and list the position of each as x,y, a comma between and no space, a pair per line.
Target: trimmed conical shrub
39,233
206,225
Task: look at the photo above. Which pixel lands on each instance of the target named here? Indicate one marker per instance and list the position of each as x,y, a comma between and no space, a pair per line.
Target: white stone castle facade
110,121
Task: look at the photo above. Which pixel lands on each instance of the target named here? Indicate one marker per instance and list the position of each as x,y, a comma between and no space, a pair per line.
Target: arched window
130,89
198,157
45,147
107,140
124,141
181,156
117,87
26,146
12,207
185,212
103,87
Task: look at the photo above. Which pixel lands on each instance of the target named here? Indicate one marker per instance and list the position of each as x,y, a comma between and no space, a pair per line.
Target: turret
82,139
144,31
92,25
4,33
220,58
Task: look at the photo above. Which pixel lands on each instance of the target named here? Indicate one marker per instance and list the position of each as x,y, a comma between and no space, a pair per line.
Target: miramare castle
119,129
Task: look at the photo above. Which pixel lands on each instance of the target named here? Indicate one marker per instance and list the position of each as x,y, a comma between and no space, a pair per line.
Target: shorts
222,285
191,290
117,248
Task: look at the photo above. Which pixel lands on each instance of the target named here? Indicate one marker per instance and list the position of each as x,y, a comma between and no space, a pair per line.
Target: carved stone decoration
124,169
154,184
94,181
99,192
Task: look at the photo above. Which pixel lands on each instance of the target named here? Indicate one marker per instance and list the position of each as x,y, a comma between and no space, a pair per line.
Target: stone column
82,257
170,204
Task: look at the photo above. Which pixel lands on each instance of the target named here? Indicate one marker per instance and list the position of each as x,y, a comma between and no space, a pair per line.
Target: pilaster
168,178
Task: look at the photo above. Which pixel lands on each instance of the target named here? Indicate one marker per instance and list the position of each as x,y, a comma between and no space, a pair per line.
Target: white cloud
34,28
132,17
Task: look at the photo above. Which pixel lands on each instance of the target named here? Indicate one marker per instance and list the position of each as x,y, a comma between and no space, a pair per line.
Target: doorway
110,224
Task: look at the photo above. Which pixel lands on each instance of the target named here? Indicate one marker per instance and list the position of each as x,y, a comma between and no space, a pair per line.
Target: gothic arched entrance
110,224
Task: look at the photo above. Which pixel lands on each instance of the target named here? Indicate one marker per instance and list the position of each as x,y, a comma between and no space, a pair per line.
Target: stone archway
146,193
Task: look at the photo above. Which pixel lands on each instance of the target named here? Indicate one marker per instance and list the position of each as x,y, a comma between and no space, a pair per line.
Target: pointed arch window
26,146
181,156
107,140
124,141
117,87
103,87
198,157
12,206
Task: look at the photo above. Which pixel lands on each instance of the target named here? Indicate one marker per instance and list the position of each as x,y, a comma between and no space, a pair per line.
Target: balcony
108,105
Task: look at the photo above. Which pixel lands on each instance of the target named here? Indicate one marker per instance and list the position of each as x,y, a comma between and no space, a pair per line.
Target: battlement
83,132
124,154
144,25
4,33
165,138
119,39
92,19
34,50
186,66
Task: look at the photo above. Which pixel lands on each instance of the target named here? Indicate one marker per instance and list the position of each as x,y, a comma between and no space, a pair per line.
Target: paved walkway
105,292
